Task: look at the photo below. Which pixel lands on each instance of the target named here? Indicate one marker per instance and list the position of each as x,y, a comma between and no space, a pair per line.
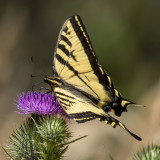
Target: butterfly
82,87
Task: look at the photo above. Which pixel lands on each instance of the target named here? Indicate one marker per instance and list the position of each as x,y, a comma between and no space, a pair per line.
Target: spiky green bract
54,131
150,153
40,138
53,128
23,142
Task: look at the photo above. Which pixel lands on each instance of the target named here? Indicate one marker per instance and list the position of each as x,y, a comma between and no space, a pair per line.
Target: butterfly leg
46,89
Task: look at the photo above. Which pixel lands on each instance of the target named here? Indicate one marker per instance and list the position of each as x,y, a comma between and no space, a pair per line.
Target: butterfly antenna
40,75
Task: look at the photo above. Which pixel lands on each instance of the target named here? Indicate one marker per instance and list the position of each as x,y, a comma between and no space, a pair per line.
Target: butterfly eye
106,108
114,105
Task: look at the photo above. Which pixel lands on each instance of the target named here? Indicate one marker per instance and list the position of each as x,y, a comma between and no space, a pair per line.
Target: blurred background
126,38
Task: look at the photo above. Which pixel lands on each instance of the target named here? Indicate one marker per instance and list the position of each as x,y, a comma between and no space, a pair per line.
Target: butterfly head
118,106
52,81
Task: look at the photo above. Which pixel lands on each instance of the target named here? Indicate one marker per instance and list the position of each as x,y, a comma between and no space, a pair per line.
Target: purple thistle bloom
39,103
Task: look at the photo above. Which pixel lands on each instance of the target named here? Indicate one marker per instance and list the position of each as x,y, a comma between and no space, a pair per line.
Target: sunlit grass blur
126,38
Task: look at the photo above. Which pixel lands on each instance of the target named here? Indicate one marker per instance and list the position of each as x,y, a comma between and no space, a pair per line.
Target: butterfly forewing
75,61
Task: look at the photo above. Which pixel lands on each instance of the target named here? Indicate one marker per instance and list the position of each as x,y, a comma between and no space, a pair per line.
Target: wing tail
114,122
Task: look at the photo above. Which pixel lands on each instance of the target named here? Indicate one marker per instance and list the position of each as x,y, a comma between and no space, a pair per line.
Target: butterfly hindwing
82,109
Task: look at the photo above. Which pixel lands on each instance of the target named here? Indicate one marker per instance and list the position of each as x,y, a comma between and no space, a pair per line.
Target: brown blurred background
126,38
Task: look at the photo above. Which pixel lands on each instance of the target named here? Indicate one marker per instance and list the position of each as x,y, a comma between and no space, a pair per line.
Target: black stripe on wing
63,49
65,39
66,51
88,115
85,116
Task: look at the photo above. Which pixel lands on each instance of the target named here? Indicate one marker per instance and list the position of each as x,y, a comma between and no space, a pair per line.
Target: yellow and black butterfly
81,85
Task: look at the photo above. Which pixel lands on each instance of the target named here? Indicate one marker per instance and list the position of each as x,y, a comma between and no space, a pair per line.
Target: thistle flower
39,103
